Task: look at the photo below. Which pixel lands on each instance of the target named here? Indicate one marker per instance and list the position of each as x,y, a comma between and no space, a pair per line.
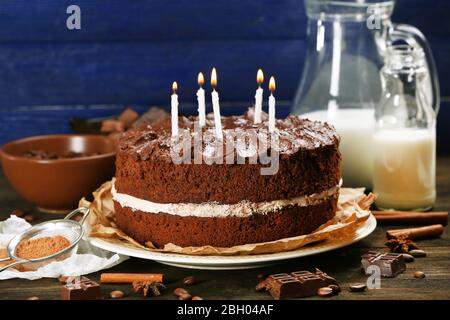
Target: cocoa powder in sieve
41,247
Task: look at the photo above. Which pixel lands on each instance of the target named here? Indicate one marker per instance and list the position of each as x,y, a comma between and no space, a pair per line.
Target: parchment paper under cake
353,210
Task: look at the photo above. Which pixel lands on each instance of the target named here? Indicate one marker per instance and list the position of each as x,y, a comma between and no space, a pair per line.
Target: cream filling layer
214,209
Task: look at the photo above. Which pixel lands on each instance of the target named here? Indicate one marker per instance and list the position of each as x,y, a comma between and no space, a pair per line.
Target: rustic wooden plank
154,20
157,20
142,73
240,284
344,264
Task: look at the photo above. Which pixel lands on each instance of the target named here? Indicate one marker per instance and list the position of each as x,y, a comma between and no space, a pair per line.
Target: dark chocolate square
390,264
81,289
298,284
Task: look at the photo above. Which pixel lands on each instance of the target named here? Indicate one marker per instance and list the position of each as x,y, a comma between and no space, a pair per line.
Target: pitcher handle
415,38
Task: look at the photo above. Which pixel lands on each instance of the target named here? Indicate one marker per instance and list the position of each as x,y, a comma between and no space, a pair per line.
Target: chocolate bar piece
81,289
390,264
283,285
298,284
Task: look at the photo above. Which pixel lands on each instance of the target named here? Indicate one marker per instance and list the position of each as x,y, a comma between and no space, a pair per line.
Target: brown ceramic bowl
56,185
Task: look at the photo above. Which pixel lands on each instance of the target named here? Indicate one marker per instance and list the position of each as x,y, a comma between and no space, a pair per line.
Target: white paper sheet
87,259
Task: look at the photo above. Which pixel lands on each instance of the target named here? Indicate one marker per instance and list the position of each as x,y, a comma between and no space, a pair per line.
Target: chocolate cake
226,204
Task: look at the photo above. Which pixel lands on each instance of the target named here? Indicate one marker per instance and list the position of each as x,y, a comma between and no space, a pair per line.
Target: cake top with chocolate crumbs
293,133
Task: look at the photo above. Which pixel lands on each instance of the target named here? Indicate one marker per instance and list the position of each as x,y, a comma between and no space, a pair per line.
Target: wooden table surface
343,264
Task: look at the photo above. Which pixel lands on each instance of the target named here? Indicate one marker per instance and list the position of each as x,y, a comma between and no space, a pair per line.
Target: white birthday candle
272,105
201,100
174,109
216,106
258,97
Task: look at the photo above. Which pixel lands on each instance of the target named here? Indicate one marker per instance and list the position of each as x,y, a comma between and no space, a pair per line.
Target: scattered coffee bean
357,287
180,291
33,298
325,292
417,253
407,257
28,217
261,276
419,275
336,289
116,294
185,296
18,213
197,298
78,217
189,281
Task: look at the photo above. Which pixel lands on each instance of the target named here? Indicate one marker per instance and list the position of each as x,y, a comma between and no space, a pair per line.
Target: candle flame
259,77
214,78
200,79
272,85
174,87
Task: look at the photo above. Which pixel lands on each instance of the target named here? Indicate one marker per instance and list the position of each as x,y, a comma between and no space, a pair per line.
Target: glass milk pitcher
405,134
347,43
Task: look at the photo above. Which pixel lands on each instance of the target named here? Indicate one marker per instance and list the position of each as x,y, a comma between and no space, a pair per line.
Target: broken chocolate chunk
390,264
298,284
128,117
81,289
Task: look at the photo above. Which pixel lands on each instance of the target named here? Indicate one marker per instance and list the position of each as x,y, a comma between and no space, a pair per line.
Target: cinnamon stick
434,230
437,217
131,277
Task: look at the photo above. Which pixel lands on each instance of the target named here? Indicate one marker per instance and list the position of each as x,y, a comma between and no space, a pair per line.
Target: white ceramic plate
232,262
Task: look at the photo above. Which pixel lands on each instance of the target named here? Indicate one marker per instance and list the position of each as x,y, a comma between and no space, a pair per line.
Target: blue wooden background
129,51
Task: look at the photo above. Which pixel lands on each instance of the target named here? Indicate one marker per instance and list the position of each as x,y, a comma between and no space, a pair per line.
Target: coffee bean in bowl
44,155
68,167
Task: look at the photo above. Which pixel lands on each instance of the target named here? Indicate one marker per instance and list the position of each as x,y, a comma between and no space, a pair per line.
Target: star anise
152,288
400,244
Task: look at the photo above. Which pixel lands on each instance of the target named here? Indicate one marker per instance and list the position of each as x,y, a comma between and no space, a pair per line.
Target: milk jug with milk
341,84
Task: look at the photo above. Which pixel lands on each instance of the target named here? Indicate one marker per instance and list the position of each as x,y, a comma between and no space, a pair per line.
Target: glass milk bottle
340,84
405,133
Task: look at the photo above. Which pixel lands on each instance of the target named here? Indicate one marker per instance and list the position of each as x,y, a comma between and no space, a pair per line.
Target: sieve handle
85,211
15,263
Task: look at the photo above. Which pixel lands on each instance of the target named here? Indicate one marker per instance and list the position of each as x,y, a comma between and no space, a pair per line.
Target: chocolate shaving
48,155
293,132
262,286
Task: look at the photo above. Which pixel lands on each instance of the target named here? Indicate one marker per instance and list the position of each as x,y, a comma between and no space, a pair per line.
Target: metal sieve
69,229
